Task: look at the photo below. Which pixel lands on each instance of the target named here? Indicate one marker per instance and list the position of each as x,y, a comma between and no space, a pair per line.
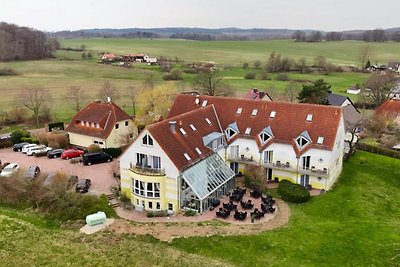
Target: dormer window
204,103
320,140
309,117
208,121
192,127
265,135
239,111
187,157
232,130
303,140
182,131
272,114
87,124
147,140
82,123
254,112
97,125
92,124
248,130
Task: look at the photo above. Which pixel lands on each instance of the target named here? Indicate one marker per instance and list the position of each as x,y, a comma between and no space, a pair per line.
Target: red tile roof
176,144
105,114
288,123
390,107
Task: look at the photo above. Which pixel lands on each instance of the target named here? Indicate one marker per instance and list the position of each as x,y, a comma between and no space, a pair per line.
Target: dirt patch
167,231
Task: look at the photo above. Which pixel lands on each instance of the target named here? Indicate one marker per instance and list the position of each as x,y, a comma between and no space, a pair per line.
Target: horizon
317,15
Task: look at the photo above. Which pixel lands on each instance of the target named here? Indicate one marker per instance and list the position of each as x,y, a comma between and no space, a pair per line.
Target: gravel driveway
100,174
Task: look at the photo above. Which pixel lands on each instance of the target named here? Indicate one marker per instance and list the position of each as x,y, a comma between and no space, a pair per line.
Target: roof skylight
320,140
239,111
187,156
182,131
208,121
272,114
309,117
198,150
204,103
254,112
192,126
248,130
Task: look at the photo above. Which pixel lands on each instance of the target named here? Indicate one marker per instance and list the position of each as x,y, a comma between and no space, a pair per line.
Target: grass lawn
356,224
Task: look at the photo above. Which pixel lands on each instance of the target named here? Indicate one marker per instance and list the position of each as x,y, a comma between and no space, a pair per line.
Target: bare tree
76,97
353,123
210,83
301,64
107,91
131,94
35,99
364,55
380,86
292,91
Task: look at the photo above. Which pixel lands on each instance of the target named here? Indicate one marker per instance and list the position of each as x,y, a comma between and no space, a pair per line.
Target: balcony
315,172
242,159
284,166
147,170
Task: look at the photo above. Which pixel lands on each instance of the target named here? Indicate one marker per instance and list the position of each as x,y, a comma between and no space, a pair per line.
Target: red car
71,153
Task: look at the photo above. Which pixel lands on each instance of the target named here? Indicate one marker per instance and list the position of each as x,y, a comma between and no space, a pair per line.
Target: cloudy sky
53,15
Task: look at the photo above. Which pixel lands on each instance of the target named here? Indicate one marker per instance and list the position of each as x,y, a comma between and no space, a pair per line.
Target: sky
326,15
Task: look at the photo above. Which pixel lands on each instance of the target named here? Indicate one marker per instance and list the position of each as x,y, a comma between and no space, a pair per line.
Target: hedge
6,143
30,140
294,193
113,151
379,150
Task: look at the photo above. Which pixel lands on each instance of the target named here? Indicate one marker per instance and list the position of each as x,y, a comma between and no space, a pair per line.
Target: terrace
147,170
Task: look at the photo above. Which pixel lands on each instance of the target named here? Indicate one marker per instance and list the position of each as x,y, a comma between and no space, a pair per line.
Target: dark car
18,147
32,172
83,185
55,153
97,157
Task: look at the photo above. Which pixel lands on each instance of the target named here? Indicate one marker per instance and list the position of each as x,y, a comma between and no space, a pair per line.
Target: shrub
113,151
157,213
190,213
294,193
245,65
93,148
17,135
31,140
264,76
190,71
7,72
282,77
6,143
379,150
174,75
17,115
250,76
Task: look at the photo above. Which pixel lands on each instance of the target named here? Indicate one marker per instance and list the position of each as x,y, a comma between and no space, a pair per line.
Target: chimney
172,125
109,99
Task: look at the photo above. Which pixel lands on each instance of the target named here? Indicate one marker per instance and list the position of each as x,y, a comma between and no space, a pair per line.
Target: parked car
97,157
32,172
18,147
83,185
55,153
71,153
9,170
32,151
26,147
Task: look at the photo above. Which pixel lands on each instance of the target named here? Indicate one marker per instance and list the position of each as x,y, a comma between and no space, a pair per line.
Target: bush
264,76
250,76
294,193
379,150
114,152
191,71
282,77
30,140
245,65
93,148
157,213
6,143
7,72
17,135
174,75
190,213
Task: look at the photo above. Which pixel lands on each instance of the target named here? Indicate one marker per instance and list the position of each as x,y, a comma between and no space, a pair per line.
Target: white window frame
302,138
227,133
261,139
146,140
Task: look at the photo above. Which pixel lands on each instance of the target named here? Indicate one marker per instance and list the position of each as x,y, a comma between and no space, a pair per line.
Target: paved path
100,174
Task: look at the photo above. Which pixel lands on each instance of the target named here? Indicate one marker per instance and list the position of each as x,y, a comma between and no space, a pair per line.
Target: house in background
256,94
139,58
353,90
108,57
394,66
189,160
101,123
391,108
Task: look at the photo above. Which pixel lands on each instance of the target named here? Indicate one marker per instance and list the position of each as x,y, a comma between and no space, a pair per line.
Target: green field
238,52
68,69
355,224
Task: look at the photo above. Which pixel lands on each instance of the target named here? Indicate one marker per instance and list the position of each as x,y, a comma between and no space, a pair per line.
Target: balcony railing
285,166
314,171
147,170
242,159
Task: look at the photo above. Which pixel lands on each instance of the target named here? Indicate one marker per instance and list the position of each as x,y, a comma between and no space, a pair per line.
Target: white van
26,147
37,149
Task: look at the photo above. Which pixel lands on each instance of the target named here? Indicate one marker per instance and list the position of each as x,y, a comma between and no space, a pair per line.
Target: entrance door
234,167
306,162
304,180
268,172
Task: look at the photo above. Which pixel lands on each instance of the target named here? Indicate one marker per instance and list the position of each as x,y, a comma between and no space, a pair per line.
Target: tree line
376,35
22,43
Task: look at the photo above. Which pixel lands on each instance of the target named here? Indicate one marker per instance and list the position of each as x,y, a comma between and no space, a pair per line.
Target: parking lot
100,174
